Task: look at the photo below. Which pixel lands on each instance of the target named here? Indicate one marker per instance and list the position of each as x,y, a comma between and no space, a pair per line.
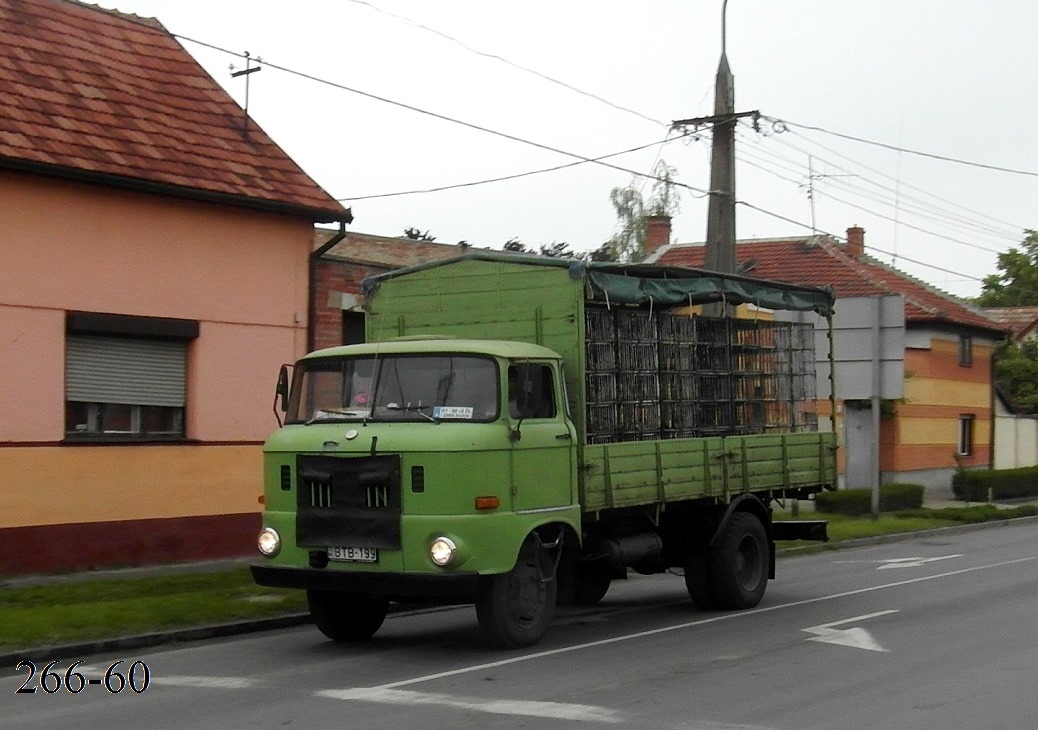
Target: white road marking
692,624
549,710
857,638
899,562
913,562
204,682
93,672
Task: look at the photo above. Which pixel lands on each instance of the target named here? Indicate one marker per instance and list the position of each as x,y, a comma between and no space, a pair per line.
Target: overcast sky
948,78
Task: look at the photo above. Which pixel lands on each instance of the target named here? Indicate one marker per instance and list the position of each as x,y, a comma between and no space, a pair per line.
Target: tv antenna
246,72
811,177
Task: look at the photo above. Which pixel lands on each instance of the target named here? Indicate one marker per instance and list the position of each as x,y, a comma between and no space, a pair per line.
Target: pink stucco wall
66,246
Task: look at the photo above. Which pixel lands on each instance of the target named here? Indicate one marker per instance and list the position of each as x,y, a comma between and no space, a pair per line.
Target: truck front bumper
448,587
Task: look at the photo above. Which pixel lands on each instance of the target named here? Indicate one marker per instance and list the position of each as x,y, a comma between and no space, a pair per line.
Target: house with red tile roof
342,260
1022,322
944,421
156,275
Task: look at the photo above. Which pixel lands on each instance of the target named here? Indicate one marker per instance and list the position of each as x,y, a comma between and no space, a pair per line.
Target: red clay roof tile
820,261
99,92
1020,320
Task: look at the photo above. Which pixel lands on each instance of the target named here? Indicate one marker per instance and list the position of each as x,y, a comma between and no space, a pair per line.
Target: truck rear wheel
346,616
739,563
514,609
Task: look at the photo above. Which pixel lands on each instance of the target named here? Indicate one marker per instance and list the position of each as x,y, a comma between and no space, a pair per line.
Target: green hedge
973,486
892,497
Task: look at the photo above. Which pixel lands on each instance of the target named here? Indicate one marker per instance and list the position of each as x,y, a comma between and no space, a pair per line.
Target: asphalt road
938,632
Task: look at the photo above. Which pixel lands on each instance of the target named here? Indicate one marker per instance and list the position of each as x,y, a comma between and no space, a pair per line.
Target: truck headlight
442,551
269,542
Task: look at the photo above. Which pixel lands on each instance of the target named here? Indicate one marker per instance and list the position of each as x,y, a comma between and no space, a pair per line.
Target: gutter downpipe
315,256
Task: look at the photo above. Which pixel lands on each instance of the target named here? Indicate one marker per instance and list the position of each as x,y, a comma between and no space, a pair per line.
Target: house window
965,350
125,377
965,447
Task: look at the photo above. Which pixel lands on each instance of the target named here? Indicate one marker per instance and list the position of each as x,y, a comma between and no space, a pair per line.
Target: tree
555,249
1016,374
628,243
415,234
1016,283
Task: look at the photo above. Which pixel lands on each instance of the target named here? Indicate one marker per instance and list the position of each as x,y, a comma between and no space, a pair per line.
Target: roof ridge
937,291
834,250
148,22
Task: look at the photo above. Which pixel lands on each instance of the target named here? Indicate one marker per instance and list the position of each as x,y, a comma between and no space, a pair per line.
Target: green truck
519,431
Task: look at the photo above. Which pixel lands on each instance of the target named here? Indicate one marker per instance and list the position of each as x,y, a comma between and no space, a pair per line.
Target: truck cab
412,469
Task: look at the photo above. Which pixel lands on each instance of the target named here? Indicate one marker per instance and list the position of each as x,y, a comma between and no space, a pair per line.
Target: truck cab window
531,391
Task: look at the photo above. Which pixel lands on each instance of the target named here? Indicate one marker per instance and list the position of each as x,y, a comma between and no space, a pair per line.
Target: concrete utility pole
720,225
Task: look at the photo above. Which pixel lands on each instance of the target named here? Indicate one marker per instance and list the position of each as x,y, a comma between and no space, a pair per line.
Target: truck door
543,439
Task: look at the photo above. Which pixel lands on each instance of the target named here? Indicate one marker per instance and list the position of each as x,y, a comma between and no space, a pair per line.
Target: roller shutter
122,370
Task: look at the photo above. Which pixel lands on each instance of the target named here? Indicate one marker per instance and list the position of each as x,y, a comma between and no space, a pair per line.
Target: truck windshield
434,388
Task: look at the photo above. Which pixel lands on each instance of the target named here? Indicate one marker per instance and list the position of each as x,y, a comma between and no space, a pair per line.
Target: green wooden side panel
656,472
649,472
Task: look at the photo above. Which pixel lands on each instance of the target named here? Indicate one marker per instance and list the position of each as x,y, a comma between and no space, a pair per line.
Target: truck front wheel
346,616
739,563
514,609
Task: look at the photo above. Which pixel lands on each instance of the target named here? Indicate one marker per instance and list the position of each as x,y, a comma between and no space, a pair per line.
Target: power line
445,118
514,65
549,148
895,148
509,177
853,190
953,212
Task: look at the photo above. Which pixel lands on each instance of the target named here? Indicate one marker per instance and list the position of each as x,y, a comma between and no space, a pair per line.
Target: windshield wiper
412,409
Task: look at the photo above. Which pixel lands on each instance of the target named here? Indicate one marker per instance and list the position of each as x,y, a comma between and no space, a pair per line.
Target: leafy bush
973,485
892,497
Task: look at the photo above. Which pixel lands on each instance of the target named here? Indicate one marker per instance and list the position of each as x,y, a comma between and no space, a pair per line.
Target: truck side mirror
281,394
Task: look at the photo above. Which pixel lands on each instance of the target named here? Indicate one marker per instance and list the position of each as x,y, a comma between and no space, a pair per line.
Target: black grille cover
348,501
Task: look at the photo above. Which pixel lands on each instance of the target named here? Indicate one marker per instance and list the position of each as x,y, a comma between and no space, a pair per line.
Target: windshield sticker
452,412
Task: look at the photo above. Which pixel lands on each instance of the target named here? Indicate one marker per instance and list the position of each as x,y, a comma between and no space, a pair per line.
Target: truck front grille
348,501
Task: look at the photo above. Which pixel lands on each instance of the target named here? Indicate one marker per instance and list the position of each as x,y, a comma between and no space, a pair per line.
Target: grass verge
88,610
79,610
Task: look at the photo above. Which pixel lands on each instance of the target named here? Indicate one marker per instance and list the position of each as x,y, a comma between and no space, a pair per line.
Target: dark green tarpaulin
700,287
654,285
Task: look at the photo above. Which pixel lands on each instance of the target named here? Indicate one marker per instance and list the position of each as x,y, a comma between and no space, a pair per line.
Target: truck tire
739,563
698,582
590,584
515,608
346,616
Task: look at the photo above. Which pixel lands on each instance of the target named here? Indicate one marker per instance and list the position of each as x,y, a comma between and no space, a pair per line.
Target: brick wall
332,280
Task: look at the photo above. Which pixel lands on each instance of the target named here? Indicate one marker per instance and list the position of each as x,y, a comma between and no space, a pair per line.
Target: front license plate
353,554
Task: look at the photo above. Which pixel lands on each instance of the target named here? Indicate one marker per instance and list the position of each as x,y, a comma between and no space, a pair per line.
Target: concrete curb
128,643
